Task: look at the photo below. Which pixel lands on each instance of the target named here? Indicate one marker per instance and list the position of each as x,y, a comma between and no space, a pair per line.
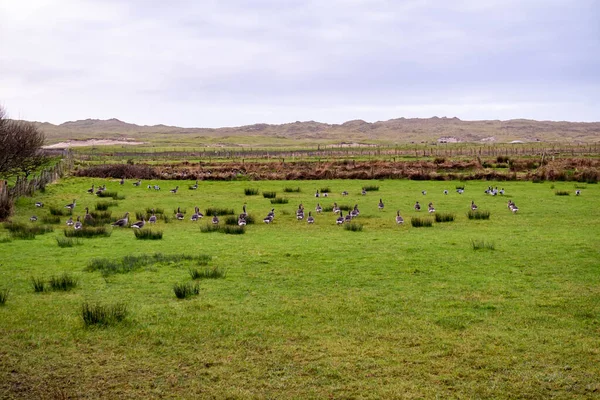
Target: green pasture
313,311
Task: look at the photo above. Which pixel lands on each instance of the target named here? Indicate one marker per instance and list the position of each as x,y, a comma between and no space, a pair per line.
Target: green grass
480,244
103,315
269,195
50,219
58,211
148,234
64,282
444,217
371,188
291,189
478,214
251,191
313,311
4,296
280,200
207,273
38,284
68,242
353,227
105,205
418,222
562,193
88,232
185,290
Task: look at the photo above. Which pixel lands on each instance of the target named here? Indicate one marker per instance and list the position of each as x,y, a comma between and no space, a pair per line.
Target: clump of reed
227,229
279,200
269,195
147,234
105,205
480,244
353,227
187,289
88,232
27,232
4,296
132,263
325,190
444,217
561,193
103,315
292,190
50,219
68,242
212,211
251,191
478,214
207,273
371,188
58,211
64,282
418,222
99,218
157,211
39,285
106,193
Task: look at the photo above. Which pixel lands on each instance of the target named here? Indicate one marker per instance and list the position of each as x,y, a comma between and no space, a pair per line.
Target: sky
215,63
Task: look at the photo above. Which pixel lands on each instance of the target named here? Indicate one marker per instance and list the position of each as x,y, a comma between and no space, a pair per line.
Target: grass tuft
279,200
353,226
4,296
269,195
418,222
207,273
105,205
371,188
58,211
67,242
291,190
481,244
157,211
478,214
39,286
561,193
325,190
208,228
132,263
51,219
27,232
147,234
103,315
444,217
187,289
88,232
65,282
251,191
211,211
233,230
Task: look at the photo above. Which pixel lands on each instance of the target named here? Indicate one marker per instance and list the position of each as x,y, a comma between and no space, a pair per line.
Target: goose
399,219
460,191
152,218
215,219
33,218
344,193
354,213
514,208
149,187
300,215
91,190
174,190
446,192
268,219
138,183
156,187
242,220
318,208
424,192
325,194
577,192
340,219
88,217
244,213
317,193
348,217
271,213
501,191
100,190
335,208
179,214
123,221
39,204
71,206
139,224
122,182
70,221
431,208
380,205
363,192
78,224
473,205
417,206
310,218
195,186
195,215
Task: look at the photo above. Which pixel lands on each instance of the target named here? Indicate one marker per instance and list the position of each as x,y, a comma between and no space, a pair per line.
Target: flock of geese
269,218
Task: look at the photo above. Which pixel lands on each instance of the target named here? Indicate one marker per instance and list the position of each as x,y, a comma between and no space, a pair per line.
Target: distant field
502,308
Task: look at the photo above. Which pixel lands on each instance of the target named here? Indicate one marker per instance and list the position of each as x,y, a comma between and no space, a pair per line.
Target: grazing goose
88,217
473,205
514,208
460,191
242,219
344,193
197,215
348,217
431,208
354,213
244,213
149,186
340,219
268,219
310,218
317,193
122,222
318,208
363,192
300,215
101,189
174,190
33,218
271,213
577,192
445,191
138,183
380,205
215,219
91,190
70,221
71,206
335,208
122,182
399,219
139,224
417,206
39,204
152,218
156,187
195,186
78,224
501,191
325,194
424,192
179,215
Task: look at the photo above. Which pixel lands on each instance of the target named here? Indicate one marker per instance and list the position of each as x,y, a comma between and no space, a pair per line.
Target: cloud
161,62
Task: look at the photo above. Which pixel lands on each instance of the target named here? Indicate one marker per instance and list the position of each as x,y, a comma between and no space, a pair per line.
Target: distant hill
401,130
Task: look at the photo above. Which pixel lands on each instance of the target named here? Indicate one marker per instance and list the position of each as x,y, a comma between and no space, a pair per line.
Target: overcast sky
201,63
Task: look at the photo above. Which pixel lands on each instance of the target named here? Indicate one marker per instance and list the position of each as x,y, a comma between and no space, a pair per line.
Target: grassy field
312,311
